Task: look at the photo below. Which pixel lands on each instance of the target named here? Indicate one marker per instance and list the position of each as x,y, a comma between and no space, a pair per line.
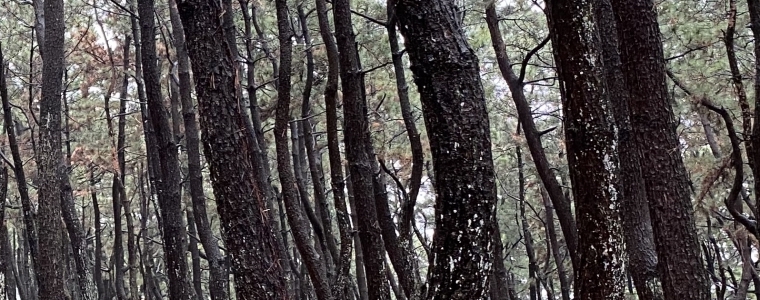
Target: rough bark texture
298,223
654,132
49,264
343,263
447,75
637,228
359,152
532,135
754,154
242,207
218,276
591,139
168,174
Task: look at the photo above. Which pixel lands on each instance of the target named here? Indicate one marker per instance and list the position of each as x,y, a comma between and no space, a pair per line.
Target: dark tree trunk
754,144
551,234
591,138
6,252
315,164
98,274
359,152
242,206
218,276
415,179
298,223
6,281
637,228
453,103
18,168
653,123
168,174
48,263
361,275
516,83
343,263
526,234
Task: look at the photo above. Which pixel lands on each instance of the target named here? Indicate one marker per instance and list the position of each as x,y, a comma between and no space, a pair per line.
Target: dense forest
377,150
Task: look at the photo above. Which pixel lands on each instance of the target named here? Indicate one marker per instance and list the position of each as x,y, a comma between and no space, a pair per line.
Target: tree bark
453,104
242,206
343,264
532,135
653,122
298,224
168,174
218,276
637,228
359,152
48,265
591,139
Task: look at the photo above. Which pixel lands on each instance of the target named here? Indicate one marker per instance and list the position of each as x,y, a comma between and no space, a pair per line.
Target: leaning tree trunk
453,103
168,173
242,206
48,266
654,130
516,83
359,152
591,141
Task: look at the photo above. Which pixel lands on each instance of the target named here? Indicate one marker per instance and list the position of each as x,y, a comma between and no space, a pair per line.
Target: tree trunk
653,122
218,276
591,139
315,166
49,156
555,247
168,174
98,274
298,223
453,103
242,206
343,263
359,153
532,135
637,228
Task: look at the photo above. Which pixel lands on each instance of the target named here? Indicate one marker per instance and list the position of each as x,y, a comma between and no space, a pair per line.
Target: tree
359,152
592,154
48,265
167,171
241,204
453,104
654,130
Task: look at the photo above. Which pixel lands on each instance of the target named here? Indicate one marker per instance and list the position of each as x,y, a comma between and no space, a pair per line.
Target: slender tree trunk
242,206
564,284
415,179
218,275
5,265
170,202
343,264
18,168
453,103
298,224
359,152
515,81
49,156
680,262
98,274
311,153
